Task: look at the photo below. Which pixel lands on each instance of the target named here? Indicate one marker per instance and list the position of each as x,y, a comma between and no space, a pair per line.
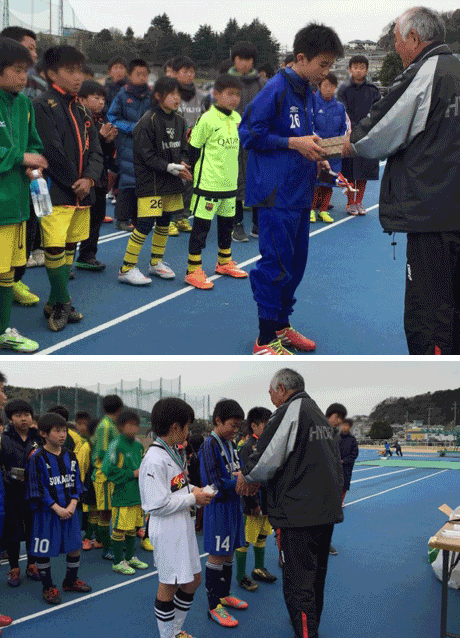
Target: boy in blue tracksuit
277,129
330,120
127,108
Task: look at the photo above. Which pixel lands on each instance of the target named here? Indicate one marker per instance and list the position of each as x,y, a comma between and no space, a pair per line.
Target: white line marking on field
395,488
163,300
85,597
356,471
408,469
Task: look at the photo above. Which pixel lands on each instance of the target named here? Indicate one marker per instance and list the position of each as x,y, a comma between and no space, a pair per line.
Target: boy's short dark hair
225,66
358,59
332,78
168,411
2,378
88,71
91,88
50,420
118,60
17,406
226,409
12,52
164,85
336,408
290,58
128,416
82,415
258,415
347,421
315,39
18,33
195,441
244,50
60,56
112,403
92,426
137,62
227,81
61,410
181,62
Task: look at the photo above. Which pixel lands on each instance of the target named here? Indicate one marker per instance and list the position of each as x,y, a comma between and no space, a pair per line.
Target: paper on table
452,534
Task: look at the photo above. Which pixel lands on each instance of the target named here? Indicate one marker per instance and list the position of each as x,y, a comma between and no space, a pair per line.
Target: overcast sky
358,385
353,19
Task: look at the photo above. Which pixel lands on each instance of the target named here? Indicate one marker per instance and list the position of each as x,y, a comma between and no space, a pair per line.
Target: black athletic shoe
57,318
124,225
332,551
262,574
248,584
255,231
91,264
72,315
238,234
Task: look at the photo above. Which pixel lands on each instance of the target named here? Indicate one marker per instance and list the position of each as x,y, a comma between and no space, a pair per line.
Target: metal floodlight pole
161,388
6,14
61,18
51,19
32,15
179,385
76,400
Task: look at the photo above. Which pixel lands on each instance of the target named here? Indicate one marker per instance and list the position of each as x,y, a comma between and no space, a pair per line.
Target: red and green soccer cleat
220,615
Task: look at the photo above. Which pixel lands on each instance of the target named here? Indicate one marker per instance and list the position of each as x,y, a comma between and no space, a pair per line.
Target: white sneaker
134,277
31,262
109,196
39,256
162,270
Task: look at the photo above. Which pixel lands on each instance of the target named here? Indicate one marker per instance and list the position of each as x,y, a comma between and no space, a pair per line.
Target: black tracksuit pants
432,302
305,552
88,247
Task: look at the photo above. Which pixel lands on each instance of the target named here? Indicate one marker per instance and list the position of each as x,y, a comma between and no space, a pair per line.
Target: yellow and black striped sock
133,249
194,263
6,299
224,256
69,257
159,239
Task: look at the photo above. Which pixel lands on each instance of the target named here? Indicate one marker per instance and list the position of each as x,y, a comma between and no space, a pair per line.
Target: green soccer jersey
105,433
122,459
216,170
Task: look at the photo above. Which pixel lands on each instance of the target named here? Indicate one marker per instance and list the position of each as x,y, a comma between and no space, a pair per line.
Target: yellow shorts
156,206
12,246
127,519
65,225
257,527
104,492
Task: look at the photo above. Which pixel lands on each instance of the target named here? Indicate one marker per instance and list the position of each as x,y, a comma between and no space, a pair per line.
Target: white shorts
175,548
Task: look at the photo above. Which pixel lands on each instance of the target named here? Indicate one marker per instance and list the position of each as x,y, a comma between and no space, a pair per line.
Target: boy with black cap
17,442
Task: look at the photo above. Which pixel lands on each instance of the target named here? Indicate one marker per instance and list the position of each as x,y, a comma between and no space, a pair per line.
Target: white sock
164,612
182,604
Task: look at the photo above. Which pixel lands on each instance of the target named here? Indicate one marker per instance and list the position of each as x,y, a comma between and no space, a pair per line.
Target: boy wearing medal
223,519
168,498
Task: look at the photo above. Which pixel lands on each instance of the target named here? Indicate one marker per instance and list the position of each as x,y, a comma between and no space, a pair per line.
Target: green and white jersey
216,171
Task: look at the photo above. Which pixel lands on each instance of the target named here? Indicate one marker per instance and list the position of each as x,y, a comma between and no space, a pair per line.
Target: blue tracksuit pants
283,244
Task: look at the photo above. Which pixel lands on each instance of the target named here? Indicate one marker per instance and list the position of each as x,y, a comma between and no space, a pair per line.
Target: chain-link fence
140,395
46,16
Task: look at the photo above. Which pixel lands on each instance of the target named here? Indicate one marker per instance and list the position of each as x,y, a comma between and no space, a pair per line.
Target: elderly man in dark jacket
298,457
417,127
348,452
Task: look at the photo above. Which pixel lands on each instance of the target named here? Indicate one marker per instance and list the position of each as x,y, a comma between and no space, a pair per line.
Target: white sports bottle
40,195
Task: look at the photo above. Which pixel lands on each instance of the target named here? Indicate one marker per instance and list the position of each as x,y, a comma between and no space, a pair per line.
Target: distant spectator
36,85
244,57
348,453
397,447
387,449
88,73
288,61
117,78
266,71
167,68
127,108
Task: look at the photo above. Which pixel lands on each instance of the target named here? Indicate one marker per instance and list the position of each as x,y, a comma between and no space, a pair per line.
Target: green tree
381,430
129,35
391,68
162,22
203,49
260,35
104,35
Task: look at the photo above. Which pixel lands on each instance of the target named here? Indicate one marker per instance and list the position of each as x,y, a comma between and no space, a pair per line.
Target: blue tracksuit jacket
128,106
330,120
277,177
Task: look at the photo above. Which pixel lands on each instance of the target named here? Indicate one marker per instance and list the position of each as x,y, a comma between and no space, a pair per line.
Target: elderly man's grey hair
427,23
290,379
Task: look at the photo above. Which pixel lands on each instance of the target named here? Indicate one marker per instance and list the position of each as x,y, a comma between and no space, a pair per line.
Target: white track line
85,597
395,488
162,300
364,469
409,469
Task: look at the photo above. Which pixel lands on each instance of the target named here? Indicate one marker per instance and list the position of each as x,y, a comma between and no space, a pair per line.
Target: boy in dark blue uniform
277,129
53,490
223,518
